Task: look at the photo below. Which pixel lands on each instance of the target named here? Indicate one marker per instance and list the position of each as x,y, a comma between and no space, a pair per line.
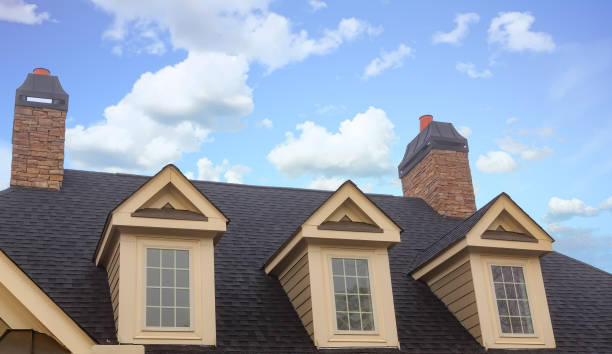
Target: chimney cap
42,90
41,71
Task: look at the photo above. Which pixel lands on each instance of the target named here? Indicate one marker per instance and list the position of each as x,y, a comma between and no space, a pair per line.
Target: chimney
38,132
436,169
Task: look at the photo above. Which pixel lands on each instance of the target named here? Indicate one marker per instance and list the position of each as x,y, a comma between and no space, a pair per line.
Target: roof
436,135
51,235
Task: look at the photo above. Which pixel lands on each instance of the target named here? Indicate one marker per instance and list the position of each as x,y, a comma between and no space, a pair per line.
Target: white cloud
5,165
388,60
317,5
167,113
326,183
544,132
265,123
606,204
465,131
564,209
511,120
19,11
361,147
496,162
511,30
455,36
207,171
471,71
526,153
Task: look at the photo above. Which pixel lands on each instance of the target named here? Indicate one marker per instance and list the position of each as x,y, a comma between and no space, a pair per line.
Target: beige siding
296,283
113,280
456,290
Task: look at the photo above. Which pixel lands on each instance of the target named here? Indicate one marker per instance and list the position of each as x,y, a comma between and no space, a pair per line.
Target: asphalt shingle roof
51,235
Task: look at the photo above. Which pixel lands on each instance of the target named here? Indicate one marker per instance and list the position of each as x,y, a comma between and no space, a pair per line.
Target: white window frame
146,328
524,268
330,257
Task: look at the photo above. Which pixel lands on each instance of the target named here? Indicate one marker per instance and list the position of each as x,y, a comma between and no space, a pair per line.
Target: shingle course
52,235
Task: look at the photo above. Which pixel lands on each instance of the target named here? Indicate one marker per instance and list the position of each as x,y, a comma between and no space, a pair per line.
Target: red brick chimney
436,169
39,127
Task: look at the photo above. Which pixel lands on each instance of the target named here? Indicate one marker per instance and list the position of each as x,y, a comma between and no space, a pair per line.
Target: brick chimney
39,127
436,169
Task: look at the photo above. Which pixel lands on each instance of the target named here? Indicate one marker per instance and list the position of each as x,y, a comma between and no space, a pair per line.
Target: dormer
487,272
335,271
158,250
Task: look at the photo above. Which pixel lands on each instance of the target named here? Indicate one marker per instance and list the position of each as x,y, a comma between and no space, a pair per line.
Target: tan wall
113,281
296,283
443,179
455,288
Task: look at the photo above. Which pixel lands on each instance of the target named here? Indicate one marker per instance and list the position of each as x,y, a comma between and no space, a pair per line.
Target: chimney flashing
42,91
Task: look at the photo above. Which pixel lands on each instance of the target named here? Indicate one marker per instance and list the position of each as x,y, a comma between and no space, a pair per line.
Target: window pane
168,258
362,267
337,267
167,277
153,296
153,277
182,297
351,285
167,297
152,257
512,302
167,317
352,294
182,259
182,278
182,317
153,316
342,321
349,267
340,302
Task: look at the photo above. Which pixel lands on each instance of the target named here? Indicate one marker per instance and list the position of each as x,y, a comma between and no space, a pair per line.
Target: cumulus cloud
388,60
265,123
526,153
360,147
19,11
471,71
465,131
167,113
511,120
496,162
511,31
564,209
317,5
207,171
455,36
5,165
606,204
326,183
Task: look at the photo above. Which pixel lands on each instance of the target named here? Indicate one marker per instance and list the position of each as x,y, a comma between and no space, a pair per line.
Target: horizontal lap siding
456,290
296,283
113,281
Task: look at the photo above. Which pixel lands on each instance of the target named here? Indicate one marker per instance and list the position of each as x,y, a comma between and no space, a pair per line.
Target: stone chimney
436,169
39,127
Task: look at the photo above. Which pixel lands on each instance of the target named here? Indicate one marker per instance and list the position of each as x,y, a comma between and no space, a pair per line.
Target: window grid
163,290
512,301
352,294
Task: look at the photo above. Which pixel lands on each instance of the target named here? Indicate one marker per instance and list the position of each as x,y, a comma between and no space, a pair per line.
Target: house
94,262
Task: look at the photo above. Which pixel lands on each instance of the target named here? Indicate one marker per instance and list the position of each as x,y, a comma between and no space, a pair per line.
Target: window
352,295
167,288
512,300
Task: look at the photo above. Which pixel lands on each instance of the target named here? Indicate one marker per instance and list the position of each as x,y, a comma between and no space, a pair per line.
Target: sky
309,93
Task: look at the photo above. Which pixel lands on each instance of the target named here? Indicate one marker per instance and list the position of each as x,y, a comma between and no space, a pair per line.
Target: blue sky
310,93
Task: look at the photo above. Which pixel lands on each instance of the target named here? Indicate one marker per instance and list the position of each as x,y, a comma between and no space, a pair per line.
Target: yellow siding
456,290
113,280
296,283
